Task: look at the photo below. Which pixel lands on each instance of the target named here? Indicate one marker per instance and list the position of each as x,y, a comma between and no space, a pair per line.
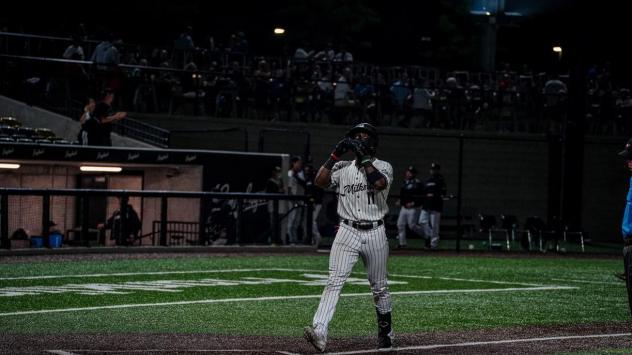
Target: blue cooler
37,242
54,240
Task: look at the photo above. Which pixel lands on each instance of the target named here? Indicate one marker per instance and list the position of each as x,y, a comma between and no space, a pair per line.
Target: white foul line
61,352
591,282
493,342
279,298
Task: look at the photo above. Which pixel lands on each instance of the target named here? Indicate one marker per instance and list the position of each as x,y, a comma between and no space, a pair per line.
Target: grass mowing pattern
604,300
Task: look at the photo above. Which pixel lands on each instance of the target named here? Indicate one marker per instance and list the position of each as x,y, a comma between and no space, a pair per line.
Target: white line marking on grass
622,283
287,353
282,298
151,273
185,272
478,343
467,280
152,351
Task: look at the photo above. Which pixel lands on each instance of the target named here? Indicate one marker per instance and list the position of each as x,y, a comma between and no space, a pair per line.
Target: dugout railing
255,216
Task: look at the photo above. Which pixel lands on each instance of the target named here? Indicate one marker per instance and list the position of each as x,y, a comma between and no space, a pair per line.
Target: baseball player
362,186
410,200
626,226
434,192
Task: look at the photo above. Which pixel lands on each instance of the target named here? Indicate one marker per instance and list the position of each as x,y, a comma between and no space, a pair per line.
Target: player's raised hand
341,148
361,150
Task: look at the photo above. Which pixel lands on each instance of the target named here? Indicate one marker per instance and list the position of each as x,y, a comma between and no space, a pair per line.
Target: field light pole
279,32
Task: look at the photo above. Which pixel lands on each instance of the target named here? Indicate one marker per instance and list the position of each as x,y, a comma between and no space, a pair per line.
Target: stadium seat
535,226
44,133
509,223
574,231
488,226
10,121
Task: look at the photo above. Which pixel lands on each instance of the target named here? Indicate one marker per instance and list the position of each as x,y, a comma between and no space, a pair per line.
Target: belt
363,225
627,241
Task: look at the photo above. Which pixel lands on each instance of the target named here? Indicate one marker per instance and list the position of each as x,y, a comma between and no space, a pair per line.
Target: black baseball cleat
384,343
385,331
317,341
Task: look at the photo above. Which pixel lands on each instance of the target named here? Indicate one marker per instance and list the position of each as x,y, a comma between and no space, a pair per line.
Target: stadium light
9,166
103,169
557,49
279,31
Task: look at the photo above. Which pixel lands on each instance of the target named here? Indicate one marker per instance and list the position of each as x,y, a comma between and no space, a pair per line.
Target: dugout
127,170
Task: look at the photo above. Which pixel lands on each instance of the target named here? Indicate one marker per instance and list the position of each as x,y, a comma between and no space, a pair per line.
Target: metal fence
166,217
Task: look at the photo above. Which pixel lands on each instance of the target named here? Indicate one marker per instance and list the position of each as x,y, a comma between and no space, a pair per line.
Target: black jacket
411,191
434,190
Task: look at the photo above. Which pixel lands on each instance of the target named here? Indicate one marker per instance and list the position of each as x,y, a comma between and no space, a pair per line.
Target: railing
242,208
143,132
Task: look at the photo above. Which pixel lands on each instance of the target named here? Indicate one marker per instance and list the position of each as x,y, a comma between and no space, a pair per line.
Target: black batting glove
341,148
360,149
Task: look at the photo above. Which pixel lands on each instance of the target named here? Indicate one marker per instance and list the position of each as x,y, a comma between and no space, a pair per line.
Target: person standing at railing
88,134
106,116
106,58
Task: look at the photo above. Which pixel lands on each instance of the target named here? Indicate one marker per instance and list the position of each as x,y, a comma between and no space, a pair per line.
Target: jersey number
371,197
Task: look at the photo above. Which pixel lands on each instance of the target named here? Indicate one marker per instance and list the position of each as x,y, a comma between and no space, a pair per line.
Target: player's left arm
375,177
378,178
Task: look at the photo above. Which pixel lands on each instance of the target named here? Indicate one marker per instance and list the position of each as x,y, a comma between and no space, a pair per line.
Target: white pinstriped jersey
357,200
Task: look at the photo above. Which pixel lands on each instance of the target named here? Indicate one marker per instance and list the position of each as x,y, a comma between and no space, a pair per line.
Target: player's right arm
323,178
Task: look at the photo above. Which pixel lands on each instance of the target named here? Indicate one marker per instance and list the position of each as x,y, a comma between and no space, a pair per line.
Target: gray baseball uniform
358,202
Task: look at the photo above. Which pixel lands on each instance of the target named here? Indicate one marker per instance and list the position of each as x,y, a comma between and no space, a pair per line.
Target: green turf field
277,295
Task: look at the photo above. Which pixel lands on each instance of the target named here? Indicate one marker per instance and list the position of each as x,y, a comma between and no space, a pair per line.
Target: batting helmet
627,151
368,129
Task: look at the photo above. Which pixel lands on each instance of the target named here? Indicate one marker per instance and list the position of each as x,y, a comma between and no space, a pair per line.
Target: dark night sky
593,32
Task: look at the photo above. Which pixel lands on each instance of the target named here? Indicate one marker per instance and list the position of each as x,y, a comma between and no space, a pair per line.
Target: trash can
55,240
37,241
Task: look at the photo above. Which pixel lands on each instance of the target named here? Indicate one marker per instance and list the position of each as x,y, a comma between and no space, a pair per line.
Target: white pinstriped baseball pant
350,243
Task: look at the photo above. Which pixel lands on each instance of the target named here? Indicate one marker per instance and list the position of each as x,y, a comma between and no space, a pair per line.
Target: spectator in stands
296,186
90,130
106,58
421,106
106,55
326,55
554,92
74,51
364,92
343,56
183,47
303,54
77,76
123,233
402,99
343,97
262,76
106,116
555,86
240,43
